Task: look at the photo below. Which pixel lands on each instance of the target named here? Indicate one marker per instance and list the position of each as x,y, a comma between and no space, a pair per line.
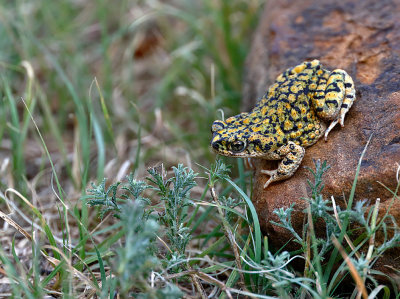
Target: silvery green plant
175,192
109,199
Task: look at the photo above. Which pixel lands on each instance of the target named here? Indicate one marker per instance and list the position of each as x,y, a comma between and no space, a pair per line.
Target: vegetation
105,117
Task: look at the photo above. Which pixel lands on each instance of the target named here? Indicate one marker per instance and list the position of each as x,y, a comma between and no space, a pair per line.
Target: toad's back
284,114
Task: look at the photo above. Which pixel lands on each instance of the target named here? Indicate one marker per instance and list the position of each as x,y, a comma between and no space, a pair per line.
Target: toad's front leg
292,156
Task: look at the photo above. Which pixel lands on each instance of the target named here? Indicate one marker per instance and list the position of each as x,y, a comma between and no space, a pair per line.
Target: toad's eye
237,146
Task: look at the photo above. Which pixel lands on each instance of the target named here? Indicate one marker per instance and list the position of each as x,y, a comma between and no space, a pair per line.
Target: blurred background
110,85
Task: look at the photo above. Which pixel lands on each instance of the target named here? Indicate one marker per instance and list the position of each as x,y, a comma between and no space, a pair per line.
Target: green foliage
230,204
135,189
135,259
175,193
109,199
285,218
104,197
219,171
140,268
321,210
320,207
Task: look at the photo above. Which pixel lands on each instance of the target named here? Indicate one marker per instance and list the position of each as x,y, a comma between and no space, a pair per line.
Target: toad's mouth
244,154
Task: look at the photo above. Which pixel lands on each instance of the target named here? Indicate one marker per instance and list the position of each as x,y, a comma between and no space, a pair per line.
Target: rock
363,38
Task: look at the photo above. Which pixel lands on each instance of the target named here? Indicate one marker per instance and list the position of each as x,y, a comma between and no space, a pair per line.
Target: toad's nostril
215,145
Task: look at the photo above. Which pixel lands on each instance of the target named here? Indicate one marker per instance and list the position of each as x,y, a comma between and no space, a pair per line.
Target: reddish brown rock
363,38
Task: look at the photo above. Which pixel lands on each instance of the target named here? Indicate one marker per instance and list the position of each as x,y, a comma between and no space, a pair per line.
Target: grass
104,126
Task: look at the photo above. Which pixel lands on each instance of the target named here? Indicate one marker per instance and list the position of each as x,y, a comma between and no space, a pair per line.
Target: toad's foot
273,176
292,156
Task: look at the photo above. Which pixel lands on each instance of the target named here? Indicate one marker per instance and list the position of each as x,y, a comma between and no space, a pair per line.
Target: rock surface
363,38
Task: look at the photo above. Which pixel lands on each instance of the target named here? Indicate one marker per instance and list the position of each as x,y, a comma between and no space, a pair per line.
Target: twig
340,226
204,277
197,284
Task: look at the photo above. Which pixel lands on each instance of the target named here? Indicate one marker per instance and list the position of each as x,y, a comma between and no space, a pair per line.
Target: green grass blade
101,267
256,223
15,135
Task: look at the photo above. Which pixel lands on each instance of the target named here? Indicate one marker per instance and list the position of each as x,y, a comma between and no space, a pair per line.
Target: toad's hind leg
334,97
292,156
